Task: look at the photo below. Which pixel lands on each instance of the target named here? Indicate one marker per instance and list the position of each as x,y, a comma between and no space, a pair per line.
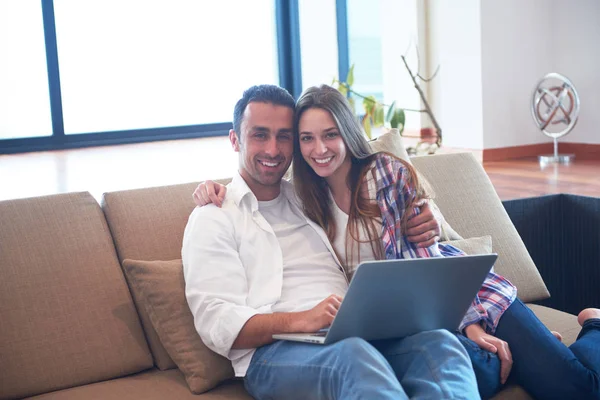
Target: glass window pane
318,42
154,63
379,33
24,99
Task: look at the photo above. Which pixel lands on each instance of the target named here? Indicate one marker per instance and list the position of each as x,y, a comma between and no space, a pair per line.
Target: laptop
398,298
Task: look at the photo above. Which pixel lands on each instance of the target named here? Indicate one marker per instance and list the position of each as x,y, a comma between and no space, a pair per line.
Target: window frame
290,78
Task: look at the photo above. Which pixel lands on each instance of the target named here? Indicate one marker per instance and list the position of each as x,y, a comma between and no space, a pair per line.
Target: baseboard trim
582,151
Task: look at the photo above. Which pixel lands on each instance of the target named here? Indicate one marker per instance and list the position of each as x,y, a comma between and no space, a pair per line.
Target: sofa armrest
468,200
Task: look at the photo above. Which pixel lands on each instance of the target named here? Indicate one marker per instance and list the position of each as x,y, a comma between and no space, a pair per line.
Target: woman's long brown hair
313,190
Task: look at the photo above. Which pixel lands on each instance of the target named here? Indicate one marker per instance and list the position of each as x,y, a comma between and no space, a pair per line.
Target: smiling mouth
323,161
270,164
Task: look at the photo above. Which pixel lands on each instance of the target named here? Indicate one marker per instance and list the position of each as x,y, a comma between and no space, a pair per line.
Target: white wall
395,40
516,53
455,93
482,95
576,27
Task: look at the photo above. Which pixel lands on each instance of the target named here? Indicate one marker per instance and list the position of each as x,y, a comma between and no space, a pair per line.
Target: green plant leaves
390,112
398,120
374,111
401,117
394,121
374,114
350,76
369,105
378,118
343,89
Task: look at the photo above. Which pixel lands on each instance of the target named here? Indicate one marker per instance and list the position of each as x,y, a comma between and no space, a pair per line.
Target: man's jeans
428,365
546,368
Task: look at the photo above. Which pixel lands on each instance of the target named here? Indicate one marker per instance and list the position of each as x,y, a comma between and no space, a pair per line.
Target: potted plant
377,114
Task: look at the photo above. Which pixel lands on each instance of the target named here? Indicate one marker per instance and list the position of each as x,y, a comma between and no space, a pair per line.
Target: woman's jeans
542,365
428,365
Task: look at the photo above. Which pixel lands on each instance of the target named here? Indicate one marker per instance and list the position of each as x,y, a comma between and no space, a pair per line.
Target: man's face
265,146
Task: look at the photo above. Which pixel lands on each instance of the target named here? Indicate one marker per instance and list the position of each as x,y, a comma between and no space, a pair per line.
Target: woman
362,201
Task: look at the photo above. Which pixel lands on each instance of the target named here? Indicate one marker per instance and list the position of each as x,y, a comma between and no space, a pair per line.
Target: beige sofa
72,328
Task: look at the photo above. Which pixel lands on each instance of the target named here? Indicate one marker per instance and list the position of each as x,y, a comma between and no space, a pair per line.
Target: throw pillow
472,246
161,286
391,142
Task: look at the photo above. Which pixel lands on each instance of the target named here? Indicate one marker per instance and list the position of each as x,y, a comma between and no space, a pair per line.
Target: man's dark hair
262,94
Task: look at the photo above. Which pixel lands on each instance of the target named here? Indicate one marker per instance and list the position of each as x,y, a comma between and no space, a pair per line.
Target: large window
153,63
78,73
379,33
318,42
24,101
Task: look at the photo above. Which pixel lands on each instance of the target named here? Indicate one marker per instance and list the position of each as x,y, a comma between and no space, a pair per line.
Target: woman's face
321,144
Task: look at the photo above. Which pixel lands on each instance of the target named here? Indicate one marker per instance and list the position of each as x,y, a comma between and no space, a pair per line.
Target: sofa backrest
468,200
148,224
66,315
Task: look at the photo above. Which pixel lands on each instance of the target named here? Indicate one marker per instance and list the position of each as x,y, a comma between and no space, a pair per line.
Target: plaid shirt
387,183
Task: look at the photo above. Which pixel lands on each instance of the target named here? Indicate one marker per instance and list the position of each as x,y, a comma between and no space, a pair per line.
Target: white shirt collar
241,193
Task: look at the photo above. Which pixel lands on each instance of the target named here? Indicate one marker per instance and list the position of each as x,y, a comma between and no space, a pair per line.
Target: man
257,266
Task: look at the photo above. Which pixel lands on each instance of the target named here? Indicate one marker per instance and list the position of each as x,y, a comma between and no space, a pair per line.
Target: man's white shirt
249,258
310,271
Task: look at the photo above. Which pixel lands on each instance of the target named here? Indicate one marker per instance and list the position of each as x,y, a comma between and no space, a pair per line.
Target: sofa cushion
66,315
161,287
472,246
564,323
469,202
391,142
149,385
133,217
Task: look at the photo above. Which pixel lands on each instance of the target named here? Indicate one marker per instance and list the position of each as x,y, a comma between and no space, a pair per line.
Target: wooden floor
526,178
110,168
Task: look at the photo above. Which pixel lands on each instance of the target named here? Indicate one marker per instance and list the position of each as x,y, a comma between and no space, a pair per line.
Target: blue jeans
546,368
428,365
486,366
